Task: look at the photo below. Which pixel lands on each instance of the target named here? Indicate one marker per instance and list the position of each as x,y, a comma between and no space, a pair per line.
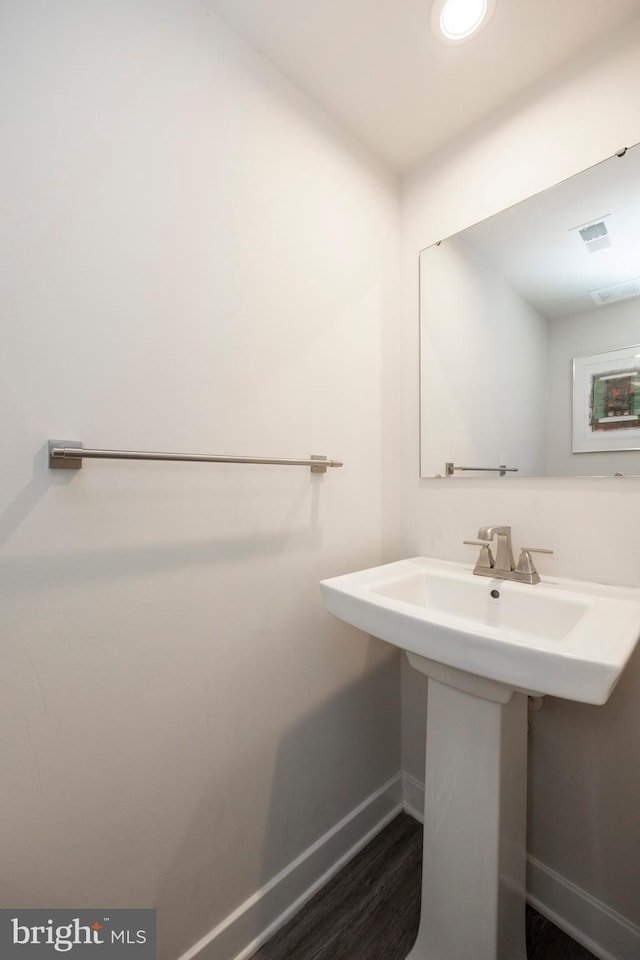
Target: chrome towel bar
69,454
449,468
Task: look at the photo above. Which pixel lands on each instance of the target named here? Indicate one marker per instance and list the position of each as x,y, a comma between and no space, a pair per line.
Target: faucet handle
525,562
486,557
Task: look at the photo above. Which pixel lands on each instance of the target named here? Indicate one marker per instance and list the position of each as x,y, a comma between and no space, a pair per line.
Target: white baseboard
258,918
413,797
602,931
607,934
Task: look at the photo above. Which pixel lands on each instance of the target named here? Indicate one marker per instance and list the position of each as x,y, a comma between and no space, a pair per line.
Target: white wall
195,259
611,326
483,356
585,762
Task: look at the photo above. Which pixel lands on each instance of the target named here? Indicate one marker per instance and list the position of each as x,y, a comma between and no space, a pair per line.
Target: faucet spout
504,562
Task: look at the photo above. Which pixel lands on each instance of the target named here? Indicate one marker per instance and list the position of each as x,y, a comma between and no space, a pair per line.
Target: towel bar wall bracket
69,454
62,461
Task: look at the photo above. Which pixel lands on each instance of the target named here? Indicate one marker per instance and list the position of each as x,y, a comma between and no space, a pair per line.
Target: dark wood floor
370,910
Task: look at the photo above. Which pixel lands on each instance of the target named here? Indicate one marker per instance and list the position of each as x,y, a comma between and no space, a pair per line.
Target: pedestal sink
485,645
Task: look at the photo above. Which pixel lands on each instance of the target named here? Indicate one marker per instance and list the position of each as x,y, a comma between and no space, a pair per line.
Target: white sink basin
566,638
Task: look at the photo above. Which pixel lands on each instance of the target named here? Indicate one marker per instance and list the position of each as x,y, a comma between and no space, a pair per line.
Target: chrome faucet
503,566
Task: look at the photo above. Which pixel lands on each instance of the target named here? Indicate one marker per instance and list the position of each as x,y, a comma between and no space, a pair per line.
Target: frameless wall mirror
530,335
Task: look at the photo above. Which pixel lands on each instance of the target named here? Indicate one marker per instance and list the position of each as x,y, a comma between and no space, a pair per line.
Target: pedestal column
473,879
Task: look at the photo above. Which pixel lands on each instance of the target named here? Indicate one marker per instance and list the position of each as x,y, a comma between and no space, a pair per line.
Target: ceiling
375,66
536,247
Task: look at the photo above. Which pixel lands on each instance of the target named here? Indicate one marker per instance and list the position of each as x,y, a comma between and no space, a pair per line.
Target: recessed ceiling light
454,21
